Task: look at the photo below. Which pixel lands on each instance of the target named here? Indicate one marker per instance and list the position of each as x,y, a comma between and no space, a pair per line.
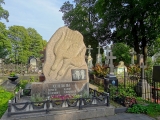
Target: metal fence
144,86
96,99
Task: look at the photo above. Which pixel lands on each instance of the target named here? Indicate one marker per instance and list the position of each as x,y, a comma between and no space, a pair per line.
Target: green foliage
151,109
121,51
25,43
100,71
3,13
12,74
5,45
122,91
5,96
82,17
135,69
154,48
136,30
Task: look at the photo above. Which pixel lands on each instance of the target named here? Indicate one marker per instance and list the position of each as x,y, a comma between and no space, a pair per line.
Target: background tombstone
32,64
132,53
110,78
156,74
99,57
120,68
143,88
65,56
89,58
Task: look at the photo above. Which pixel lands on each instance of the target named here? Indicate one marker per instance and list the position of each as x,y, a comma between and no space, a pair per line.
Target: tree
36,42
134,22
25,43
121,51
155,47
5,45
3,13
20,44
82,17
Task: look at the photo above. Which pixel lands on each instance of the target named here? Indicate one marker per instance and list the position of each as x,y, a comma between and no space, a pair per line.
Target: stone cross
89,49
132,52
107,53
89,58
99,56
142,66
145,87
99,49
111,57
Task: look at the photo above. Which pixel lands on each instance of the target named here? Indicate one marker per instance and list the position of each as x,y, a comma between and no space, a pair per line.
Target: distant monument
65,68
120,68
89,58
99,56
132,53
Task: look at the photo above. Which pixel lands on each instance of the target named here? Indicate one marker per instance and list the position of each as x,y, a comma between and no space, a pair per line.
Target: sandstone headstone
65,68
65,51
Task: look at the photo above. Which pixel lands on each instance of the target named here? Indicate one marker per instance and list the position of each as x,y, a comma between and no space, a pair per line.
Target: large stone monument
65,69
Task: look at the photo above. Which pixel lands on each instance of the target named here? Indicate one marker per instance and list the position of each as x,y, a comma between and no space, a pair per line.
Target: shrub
100,71
37,98
151,109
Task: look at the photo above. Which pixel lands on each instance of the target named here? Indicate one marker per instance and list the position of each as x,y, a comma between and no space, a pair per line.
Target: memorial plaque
78,74
64,88
156,73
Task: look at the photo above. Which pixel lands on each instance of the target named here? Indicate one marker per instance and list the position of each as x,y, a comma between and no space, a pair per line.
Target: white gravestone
99,57
89,58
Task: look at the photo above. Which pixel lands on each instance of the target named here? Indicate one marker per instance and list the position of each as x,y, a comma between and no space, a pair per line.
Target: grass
5,96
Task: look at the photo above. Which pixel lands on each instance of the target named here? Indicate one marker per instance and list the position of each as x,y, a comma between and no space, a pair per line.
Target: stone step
72,114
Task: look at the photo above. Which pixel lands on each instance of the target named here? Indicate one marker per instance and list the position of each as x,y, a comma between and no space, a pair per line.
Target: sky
42,15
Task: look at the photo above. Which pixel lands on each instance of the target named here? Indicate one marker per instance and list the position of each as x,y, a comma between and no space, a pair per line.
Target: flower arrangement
61,97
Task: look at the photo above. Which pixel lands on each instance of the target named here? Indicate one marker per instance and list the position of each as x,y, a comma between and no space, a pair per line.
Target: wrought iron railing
96,99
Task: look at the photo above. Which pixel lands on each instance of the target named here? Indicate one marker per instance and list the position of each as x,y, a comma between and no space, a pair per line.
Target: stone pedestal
110,79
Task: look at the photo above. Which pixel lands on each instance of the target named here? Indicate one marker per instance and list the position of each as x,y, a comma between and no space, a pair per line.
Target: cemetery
104,61
67,85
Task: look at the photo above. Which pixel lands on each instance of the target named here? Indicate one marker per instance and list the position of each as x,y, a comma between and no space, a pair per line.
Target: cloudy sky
42,15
